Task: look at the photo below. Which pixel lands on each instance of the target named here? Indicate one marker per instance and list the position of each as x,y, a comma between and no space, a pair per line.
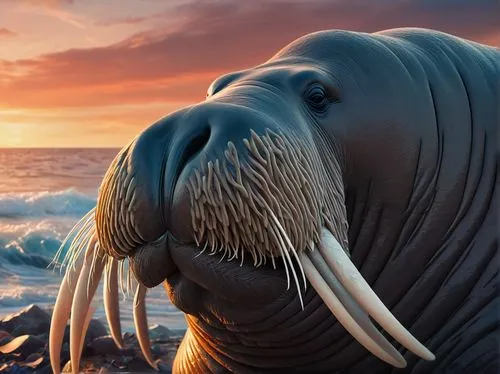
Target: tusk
111,301
375,342
85,289
61,312
141,324
356,285
343,316
85,327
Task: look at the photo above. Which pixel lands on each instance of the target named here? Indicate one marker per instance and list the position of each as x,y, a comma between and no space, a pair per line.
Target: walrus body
410,118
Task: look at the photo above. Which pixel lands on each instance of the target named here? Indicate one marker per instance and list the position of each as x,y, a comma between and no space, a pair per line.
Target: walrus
310,213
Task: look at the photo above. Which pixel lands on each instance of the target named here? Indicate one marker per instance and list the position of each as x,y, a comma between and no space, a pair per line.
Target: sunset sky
94,73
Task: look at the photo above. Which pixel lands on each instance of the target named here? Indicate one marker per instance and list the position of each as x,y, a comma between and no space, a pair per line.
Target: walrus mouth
278,200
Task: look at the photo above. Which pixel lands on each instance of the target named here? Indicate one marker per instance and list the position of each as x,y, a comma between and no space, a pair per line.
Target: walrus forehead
282,73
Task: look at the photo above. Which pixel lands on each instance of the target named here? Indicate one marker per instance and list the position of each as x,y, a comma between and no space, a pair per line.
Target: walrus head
237,204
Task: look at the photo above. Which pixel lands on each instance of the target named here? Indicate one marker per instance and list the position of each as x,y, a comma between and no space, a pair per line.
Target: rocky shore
24,346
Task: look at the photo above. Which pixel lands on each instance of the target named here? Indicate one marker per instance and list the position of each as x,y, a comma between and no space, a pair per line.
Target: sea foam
40,204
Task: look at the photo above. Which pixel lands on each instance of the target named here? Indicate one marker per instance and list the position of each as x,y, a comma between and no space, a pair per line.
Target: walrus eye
317,97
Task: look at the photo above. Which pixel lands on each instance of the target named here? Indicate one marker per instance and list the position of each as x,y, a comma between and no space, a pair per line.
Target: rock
129,338
138,364
163,349
5,337
33,357
44,336
30,321
23,345
96,329
33,361
119,364
105,346
16,369
44,370
164,367
159,332
24,348
156,349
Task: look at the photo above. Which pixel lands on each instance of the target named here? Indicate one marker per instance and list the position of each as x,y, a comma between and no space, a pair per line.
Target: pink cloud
178,63
49,3
6,33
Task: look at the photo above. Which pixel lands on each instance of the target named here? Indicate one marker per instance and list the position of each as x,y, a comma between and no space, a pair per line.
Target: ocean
43,193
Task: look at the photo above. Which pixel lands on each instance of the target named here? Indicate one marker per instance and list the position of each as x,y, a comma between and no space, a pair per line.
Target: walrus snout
143,194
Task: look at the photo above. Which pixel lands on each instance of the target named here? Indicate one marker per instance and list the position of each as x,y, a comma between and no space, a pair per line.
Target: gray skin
411,115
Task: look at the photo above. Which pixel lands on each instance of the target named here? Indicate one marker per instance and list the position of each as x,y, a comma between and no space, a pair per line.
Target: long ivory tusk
354,282
85,327
342,315
390,354
141,324
61,312
85,289
111,301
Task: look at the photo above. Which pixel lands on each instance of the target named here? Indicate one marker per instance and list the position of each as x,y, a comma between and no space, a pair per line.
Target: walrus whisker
273,262
202,251
356,285
290,246
290,262
234,254
130,278
124,278
79,243
120,279
286,268
111,301
223,255
57,257
77,247
141,324
345,318
242,258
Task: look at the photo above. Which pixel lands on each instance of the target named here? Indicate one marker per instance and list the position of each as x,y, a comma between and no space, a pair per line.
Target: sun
11,135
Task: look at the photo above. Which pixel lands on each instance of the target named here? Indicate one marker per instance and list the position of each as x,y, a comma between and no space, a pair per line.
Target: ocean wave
29,244
14,295
41,204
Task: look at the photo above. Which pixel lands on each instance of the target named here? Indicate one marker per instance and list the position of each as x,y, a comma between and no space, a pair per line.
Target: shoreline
24,346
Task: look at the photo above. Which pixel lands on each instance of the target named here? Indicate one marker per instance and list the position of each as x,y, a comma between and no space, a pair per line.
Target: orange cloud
6,33
177,64
48,3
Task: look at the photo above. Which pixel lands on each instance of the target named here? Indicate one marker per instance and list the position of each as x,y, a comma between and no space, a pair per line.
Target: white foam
40,204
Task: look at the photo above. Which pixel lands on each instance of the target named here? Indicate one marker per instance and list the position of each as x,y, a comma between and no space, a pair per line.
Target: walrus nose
207,130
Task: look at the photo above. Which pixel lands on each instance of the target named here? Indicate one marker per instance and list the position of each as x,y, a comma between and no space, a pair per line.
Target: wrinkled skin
411,116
